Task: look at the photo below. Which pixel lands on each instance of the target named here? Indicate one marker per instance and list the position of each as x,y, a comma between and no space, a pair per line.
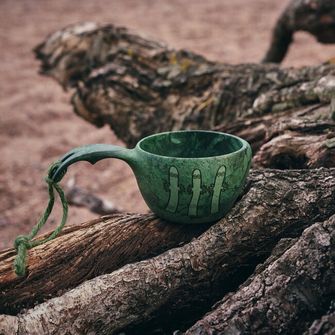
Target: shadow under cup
191,176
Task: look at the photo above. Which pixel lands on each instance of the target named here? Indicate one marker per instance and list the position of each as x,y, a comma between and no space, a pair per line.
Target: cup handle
91,153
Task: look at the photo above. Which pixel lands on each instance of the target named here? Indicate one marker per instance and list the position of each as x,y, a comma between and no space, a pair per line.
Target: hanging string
25,242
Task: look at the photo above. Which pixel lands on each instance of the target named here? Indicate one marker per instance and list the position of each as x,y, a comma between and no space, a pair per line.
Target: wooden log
284,297
139,87
219,106
316,17
86,251
277,204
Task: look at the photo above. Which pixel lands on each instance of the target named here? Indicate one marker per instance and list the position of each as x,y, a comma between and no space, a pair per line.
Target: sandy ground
37,124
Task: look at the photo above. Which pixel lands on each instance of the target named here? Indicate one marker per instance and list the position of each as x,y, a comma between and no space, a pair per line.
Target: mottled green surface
184,176
190,144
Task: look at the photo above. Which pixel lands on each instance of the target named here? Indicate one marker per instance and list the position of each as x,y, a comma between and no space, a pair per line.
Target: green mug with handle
188,176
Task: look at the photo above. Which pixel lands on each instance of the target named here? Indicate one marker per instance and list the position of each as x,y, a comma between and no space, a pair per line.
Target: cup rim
244,146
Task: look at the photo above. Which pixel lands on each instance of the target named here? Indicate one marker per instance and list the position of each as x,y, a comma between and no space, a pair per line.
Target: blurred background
37,124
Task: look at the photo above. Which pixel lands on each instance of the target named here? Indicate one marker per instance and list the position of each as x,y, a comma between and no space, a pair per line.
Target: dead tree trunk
139,87
173,285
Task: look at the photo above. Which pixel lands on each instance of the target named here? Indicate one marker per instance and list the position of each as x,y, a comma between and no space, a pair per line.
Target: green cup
184,176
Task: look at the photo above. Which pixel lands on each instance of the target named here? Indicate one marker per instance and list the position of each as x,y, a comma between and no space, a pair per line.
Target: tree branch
316,17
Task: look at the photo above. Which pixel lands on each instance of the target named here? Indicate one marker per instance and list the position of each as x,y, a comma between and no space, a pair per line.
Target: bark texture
286,295
324,326
314,16
196,274
139,87
298,139
84,252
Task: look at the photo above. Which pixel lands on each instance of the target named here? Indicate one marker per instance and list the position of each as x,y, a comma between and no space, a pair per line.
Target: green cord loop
21,240
24,242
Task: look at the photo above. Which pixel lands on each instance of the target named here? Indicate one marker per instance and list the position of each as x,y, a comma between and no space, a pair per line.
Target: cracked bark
283,296
173,285
139,87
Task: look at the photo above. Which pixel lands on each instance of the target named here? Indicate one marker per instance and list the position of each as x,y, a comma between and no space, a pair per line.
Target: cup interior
191,144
